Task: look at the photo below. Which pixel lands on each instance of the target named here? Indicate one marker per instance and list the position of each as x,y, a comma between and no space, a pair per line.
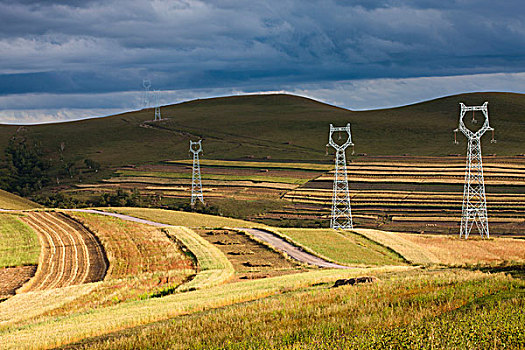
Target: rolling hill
273,126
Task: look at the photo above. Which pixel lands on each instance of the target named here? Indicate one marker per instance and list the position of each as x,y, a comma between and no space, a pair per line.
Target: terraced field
223,182
419,196
422,194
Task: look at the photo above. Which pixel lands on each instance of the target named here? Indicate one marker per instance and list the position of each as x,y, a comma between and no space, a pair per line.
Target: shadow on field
516,271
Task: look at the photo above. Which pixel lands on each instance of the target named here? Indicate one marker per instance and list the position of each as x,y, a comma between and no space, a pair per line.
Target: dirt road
275,241
293,251
120,216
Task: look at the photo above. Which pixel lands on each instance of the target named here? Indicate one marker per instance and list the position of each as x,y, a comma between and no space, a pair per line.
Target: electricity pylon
341,213
146,83
157,106
474,208
196,184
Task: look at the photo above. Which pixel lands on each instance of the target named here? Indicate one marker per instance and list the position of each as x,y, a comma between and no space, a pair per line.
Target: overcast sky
73,59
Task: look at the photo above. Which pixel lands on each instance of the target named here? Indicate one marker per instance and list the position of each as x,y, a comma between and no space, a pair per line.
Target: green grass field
418,310
342,247
19,244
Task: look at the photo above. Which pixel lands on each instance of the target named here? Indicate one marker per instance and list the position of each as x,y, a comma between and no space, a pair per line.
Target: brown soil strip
250,259
12,278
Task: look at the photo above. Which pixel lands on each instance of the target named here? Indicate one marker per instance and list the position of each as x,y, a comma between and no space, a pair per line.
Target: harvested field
207,176
213,266
449,250
133,248
416,196
400,243
250,259
23,307
450,219
70,253
518,181
456,251
181,184
142,260
387,188
271,171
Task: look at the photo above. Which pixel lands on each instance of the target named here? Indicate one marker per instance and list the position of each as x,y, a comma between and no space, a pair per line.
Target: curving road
293,251
120,216
273,240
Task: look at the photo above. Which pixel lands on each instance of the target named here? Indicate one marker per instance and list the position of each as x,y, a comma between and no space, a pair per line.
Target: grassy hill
11,201
279,126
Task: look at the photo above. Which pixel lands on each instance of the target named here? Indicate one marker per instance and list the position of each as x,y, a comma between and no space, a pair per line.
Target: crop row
70,254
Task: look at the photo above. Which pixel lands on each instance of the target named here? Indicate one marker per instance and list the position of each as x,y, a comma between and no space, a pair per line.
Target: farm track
273,240
70,254
293,251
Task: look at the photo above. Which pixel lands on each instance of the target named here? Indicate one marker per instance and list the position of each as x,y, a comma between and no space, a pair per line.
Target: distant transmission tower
341,213
474,202
157,106
196,184
146,83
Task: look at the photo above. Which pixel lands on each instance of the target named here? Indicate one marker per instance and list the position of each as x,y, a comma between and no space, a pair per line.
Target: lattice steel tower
157,106
196,184
341,213
474,202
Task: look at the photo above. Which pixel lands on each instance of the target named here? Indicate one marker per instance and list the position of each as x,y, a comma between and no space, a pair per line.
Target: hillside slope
12,201
276,126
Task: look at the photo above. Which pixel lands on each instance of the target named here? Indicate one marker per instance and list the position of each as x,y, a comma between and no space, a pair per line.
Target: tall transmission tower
341,212
474,202
196,184
146,83
157,106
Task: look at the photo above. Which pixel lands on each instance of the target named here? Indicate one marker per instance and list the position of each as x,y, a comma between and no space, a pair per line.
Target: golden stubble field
450,249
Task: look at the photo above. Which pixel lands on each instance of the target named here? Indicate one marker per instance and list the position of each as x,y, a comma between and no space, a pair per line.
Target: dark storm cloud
66,47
